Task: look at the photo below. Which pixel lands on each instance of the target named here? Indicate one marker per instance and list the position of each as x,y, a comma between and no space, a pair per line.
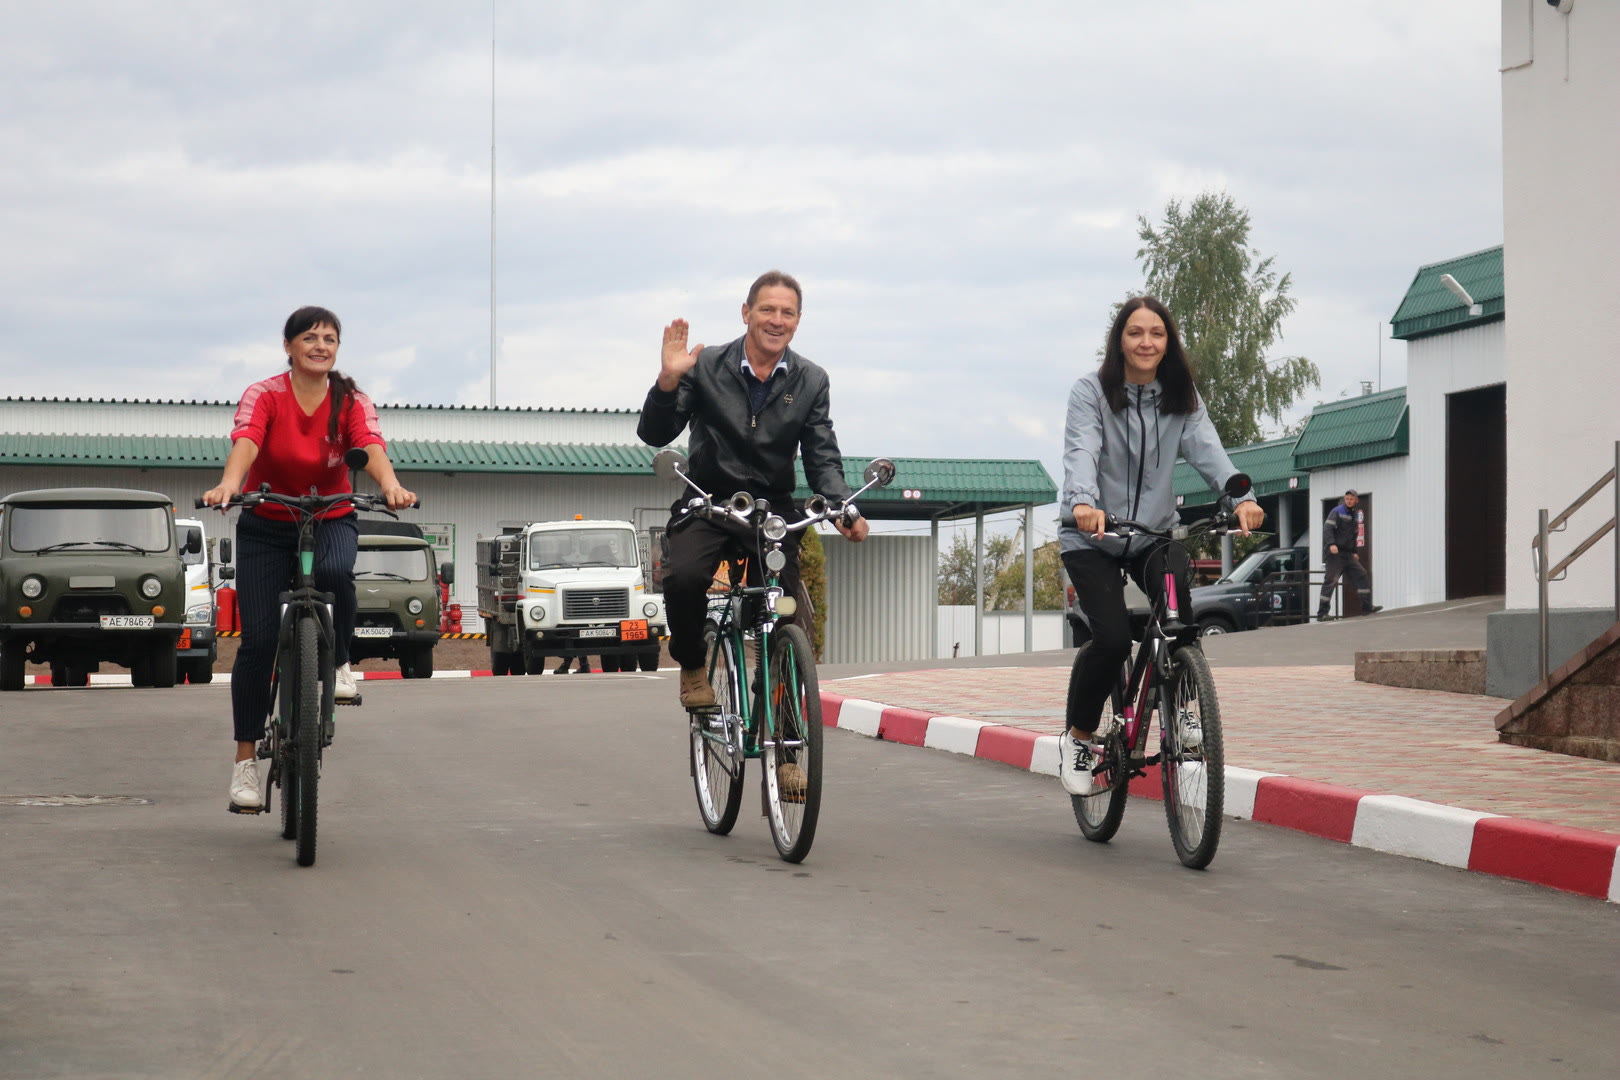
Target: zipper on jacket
1141,464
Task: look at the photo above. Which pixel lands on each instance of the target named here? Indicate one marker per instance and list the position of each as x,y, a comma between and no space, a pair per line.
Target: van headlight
199,615
414,607
150,587
649,609
33,588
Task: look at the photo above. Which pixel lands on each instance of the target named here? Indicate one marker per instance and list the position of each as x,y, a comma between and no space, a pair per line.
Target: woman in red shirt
291,432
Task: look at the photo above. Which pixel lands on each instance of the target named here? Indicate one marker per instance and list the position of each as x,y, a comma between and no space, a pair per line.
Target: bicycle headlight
649,609
774,528
775,560
414,606
33,588
150,587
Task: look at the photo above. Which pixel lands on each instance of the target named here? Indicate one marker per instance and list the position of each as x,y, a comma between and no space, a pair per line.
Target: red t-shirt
295,453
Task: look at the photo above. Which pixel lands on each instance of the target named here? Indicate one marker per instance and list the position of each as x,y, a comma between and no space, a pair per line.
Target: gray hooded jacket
1125,462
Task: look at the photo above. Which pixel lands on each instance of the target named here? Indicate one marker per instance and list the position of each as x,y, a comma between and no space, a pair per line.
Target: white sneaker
245,785
1192,732
345,690
1076,759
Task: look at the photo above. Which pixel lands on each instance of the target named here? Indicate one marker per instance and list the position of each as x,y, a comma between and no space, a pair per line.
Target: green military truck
396,590
90,576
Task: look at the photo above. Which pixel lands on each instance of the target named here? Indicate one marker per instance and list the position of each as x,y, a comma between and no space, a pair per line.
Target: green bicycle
771,710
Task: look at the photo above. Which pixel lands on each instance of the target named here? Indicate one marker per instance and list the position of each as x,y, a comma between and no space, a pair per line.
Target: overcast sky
955,184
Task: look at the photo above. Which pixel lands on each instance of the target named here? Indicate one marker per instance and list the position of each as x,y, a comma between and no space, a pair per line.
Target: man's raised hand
677,359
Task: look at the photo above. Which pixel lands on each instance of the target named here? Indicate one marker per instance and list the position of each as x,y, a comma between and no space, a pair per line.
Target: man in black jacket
1339,557
752,405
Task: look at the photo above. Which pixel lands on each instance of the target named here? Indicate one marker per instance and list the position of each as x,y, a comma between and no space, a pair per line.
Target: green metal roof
1270,466
1430,308
1363,428
380,404
945,487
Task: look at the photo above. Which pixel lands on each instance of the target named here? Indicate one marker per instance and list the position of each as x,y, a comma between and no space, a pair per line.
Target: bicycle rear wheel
792,749
1194,776
306,738
717,765
1100,813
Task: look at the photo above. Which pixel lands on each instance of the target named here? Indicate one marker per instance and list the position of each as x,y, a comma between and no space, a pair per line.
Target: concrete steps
1576,709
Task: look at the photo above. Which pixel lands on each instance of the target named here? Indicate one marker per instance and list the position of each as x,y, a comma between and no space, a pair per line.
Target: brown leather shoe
696,693
790,779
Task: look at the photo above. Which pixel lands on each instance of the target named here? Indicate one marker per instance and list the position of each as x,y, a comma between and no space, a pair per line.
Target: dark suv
89,576
1266,589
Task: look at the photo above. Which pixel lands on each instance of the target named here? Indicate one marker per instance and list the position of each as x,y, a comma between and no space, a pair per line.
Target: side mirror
669,466
880,473
356,458
227,573
193,542
225,550
447,573
1238,485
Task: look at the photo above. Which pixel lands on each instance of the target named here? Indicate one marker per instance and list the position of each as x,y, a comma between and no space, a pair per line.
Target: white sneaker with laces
245,785
1192,732
1076,759
346,689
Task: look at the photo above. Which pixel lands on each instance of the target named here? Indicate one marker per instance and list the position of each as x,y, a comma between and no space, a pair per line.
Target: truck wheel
610,662
163,665
11,667
1210,625
649,661
535,663
59,673
201,672
422,665
407,665
140,670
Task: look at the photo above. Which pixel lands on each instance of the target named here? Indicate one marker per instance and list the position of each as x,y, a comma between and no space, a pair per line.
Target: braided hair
342,386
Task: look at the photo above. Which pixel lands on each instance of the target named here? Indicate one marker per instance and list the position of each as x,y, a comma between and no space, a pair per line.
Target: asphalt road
513,882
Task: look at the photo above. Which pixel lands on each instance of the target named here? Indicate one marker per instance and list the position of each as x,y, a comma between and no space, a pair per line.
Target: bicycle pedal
233,808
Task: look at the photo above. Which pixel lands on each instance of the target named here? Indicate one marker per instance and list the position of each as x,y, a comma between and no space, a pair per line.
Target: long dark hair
1175,373
343,388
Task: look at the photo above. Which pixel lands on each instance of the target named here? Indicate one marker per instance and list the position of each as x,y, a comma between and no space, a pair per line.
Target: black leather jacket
731,448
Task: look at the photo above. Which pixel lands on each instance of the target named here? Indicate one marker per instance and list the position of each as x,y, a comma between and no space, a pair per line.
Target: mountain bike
1169,681
771,710
301,722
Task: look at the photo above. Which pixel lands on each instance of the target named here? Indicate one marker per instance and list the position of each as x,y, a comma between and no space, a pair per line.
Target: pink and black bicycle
1167,691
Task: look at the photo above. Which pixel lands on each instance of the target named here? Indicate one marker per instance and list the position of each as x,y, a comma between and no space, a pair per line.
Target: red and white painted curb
224,678
1575,860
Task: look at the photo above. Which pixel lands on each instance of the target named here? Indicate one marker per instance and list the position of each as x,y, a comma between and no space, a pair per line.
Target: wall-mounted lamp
1462,294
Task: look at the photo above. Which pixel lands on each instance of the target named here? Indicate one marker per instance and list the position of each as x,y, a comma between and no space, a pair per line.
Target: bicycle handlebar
1124,528
309,504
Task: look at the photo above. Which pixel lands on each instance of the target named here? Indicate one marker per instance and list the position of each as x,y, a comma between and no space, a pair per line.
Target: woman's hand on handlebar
1250,517
221,495
398,498
1089,519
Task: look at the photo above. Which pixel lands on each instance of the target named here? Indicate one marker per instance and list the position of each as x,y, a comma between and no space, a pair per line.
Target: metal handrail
1538,550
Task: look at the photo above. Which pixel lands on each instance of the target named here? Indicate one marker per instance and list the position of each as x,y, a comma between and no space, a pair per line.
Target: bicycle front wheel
306,738
717,757
1194,762
792,746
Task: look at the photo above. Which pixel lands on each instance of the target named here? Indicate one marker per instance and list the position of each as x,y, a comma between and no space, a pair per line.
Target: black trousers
1349,567
695,553
1099,591
265,554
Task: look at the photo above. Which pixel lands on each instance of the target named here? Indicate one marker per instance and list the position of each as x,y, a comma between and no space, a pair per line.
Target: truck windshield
1250,567
391,564
583,547
89,528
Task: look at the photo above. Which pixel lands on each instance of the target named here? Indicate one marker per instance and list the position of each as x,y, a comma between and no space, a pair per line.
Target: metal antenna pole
492,347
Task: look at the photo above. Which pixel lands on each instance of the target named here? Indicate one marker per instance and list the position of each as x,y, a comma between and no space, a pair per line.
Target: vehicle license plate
184,640
633,630
599,631
126,622
373,631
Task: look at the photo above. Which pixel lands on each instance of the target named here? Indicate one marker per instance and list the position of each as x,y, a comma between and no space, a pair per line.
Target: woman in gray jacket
1127,423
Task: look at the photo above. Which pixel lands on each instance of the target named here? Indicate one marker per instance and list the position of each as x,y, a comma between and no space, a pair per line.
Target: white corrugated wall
880,598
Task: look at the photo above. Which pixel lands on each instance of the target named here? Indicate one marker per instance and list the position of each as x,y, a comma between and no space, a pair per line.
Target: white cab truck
567,588
197,650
